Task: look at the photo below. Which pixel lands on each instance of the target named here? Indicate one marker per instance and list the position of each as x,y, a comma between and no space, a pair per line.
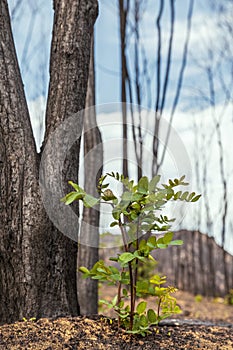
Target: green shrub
198,298
137,214
229,297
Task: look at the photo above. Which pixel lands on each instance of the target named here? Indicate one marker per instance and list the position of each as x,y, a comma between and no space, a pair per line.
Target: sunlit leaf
176,242
114,223
126,257
184,195
90,201
71,197
83,269
152,317
141,307
143,185
153,183
196,198
167,237
76,187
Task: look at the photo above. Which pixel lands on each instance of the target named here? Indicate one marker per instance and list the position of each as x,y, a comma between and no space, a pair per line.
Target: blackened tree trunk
88,253
123,14
37,262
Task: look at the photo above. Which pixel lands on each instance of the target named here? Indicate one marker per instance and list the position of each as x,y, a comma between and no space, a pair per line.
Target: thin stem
118,302
123,234
136,264
159,304
131,295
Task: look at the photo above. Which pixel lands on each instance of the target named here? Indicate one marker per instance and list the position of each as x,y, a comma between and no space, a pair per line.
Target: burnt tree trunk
123,14
88,253
37,262
197,272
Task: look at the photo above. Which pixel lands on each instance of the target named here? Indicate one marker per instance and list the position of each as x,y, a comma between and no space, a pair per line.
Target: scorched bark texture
37,262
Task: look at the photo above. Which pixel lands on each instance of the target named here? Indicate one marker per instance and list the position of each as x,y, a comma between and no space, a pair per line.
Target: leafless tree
216,67
136,75
162,88
89,233
123,13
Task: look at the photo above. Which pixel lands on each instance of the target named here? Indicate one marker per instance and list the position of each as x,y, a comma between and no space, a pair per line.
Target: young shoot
143,228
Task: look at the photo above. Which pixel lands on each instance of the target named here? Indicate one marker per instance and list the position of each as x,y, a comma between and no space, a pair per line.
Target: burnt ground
207,324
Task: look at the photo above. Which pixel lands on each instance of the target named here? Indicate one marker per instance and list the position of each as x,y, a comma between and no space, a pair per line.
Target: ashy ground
205,324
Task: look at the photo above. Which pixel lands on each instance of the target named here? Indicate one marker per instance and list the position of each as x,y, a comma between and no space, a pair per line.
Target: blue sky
193,109
40,15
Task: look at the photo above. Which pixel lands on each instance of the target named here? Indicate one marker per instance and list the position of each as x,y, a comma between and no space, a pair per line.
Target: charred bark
88,252
37,262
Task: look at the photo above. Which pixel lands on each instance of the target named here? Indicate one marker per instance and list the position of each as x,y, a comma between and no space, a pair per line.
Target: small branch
118,302
123,234
159,304
136,264
131,295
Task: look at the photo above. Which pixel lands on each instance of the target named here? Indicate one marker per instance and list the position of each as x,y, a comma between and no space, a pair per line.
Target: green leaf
151,258
160,240
105,302
71,197
162,246
143,321
99,277
113,259
76,187
83,269
133,215
102,270
126,257
196,198
115,277
108,195
113,269
171,183
142,244
125,292
114,223
121,305
152,317
184,196
125,278
115,300
170,194
190,196
141,307
116,213
176,242
137,196
153,183
151,242
156,279
135,206
104,186
177,195
127,196
90,201
143,185
167,237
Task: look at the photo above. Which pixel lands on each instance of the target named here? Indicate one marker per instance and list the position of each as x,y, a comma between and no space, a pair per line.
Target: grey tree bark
123,14
37,262
88,253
